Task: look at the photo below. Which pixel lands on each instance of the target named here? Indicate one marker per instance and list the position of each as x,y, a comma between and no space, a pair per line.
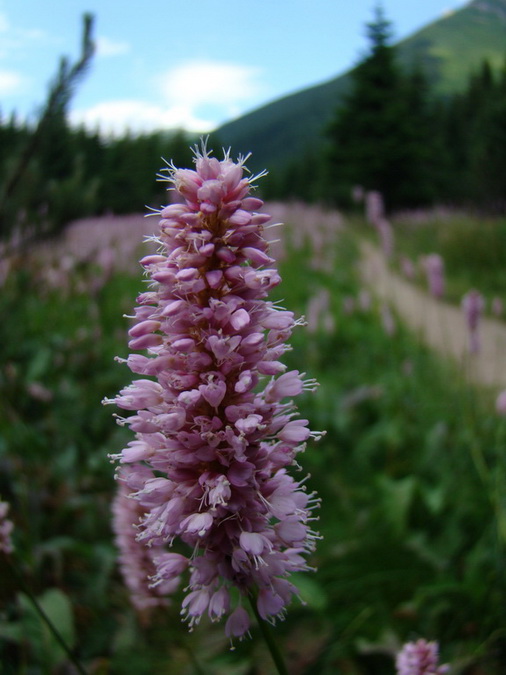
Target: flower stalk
271,643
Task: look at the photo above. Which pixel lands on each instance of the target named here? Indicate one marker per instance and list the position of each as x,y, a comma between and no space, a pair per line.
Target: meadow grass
473,247
411,475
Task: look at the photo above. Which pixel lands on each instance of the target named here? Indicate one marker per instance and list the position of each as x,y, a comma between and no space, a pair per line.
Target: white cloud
10,82
115,117
107,47
210,82
196,96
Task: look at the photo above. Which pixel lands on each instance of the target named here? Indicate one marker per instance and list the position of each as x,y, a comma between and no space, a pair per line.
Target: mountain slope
449,49
455,46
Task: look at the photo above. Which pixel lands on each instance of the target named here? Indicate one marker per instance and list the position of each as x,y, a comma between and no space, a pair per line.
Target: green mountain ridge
448,49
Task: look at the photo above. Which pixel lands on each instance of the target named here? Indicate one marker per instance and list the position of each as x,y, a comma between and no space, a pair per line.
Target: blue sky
187,63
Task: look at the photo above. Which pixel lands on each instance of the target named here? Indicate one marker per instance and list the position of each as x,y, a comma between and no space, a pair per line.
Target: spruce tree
381,135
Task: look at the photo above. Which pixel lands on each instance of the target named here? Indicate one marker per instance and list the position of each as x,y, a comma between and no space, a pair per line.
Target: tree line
75,173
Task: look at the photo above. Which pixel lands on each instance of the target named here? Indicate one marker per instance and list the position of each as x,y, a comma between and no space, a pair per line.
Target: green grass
410,474
473,249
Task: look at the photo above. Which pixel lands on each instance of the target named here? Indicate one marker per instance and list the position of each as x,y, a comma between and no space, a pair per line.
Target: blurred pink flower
420,658
387,319
40,392
307,227
473,305
6,527
374,207
434,268
497,306
318,312
408,267
386,235
500,403
136,561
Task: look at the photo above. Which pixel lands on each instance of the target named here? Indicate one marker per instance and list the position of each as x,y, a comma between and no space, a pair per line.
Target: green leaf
58,609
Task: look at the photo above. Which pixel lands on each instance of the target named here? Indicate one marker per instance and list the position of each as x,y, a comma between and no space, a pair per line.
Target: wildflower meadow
286,478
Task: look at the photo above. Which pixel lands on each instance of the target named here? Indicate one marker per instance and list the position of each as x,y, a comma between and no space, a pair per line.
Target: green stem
277,657
57,635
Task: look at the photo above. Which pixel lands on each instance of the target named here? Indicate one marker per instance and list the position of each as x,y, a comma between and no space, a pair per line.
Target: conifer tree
380,137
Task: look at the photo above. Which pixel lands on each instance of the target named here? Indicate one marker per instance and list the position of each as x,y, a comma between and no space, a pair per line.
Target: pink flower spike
208,468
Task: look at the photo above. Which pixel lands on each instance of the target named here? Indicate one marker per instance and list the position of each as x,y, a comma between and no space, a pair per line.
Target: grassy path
440,325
